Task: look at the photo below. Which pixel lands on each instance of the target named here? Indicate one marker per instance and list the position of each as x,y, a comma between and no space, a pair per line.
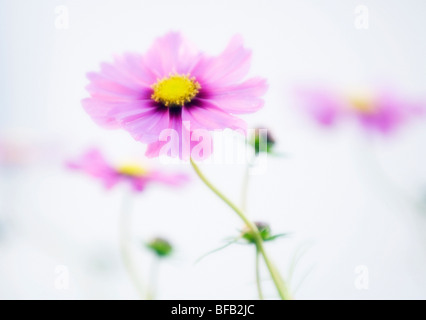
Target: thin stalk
278,281
244,192
244,196
153,279
126,249
258,280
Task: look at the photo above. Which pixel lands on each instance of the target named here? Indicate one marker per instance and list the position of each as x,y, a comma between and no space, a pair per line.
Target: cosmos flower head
381,111
95,165
172,96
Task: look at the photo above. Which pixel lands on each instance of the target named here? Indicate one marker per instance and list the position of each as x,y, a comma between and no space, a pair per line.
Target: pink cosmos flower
172,86
382,111
94,164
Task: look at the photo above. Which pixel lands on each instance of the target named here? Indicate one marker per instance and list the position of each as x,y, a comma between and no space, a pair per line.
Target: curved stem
126,250
258,280
278,281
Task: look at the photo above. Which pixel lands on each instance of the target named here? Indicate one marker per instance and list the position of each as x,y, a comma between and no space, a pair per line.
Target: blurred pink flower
18,149
173,86
382,111
12,154
94,164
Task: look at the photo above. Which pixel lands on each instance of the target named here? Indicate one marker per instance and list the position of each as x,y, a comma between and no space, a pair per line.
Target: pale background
338,213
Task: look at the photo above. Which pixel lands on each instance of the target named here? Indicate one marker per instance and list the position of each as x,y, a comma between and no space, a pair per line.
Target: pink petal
110,114
94,164
111,181
103,87
171,53
210,117
137,68
170,179
153,149
178,141
138,183
146,127
321,105
390,113
129,70
184,133
229,67
240,98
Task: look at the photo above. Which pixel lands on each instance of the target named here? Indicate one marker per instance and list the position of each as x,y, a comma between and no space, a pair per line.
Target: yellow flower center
175,90
132,170
362,102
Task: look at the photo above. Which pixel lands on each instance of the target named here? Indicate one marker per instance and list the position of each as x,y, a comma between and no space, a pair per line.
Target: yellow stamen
175,90
132,170
362,102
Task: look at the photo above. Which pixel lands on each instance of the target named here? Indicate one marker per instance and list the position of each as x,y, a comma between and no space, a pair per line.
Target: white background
332,192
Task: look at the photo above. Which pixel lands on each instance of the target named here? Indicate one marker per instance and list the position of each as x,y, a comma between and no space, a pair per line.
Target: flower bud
161,247
262,141
264,230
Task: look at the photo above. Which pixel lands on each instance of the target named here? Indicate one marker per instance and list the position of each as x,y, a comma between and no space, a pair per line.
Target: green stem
126,249
258,281
244,192
153,279
278,281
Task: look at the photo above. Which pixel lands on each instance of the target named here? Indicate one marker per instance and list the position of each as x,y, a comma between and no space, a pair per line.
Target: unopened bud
161,247
262,141
264,230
